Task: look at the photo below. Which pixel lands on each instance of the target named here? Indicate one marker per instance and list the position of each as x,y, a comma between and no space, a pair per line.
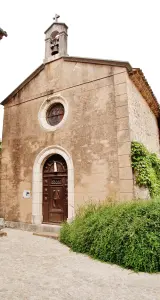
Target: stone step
49,228
32,227
51,235
2,233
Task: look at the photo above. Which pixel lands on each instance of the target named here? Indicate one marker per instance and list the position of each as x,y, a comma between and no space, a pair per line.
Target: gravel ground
37,268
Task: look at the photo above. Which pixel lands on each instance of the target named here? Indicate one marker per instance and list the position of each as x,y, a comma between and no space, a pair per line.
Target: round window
55,114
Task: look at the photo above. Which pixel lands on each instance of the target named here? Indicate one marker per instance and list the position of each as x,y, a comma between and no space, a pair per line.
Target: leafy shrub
125,234
146,166
65,234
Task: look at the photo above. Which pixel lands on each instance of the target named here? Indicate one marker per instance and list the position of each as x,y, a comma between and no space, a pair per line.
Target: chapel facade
67,134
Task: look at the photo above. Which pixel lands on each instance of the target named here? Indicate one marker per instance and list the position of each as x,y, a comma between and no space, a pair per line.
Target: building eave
55,23
96,61
144,88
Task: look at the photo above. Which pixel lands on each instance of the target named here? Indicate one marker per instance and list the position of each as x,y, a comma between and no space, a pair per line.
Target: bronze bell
54,46
54,49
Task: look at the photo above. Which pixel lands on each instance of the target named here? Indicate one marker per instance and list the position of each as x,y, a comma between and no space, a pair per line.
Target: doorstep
55,228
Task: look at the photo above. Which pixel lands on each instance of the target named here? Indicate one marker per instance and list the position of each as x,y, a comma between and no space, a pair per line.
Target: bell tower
55,40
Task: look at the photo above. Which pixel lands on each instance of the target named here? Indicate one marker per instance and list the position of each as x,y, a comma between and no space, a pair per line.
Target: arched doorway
55,190
37,182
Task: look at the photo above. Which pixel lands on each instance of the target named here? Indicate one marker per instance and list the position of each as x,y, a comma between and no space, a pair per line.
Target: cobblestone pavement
37,268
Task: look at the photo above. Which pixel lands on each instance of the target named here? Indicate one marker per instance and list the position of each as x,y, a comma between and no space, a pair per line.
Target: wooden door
55,190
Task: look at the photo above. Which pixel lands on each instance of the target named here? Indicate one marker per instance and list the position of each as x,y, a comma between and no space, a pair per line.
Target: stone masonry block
124,160
121,100
124,148
126,186
123,136
122,111
125,173
120,89
117,70
120,78
122,123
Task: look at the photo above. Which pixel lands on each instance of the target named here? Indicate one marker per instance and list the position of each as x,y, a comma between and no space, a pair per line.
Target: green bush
125,234
146,167
65,234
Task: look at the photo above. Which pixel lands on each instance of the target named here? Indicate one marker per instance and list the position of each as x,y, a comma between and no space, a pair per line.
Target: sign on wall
26,194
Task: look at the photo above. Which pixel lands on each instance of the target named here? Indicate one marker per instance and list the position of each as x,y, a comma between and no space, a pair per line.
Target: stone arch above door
40,160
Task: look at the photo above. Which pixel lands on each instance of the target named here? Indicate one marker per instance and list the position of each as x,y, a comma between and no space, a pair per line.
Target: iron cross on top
56,17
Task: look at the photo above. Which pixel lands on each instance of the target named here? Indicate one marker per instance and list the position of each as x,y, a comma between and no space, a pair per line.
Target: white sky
109,29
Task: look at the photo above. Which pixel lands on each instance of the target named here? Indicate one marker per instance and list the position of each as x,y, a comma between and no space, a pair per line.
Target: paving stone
36,268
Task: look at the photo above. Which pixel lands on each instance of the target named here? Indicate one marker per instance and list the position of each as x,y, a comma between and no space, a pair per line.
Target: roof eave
144,88
115,63
55,23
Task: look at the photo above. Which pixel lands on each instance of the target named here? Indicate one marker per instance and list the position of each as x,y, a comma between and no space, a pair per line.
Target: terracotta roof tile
144,88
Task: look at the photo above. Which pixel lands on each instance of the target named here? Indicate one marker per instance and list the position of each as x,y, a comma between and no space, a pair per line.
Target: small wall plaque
26,194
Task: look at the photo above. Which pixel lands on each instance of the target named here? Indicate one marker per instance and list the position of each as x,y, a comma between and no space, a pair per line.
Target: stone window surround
43,111
37,182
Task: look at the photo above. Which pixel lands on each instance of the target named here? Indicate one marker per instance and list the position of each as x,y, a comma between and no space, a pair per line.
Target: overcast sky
110,29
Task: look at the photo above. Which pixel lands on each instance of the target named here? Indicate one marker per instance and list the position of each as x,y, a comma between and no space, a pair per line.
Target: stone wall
89,135
105,113
143,128
142,121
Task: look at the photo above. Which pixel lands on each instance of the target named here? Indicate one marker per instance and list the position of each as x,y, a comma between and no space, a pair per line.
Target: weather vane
56,17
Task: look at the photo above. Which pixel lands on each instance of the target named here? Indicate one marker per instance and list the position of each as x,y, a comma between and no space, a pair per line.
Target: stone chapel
67,134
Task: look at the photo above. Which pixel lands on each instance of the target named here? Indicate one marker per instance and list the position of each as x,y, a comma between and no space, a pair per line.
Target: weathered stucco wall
89,134
142,121
106,112
143,128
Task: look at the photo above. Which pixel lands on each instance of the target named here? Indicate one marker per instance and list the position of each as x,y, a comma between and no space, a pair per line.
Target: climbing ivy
146,167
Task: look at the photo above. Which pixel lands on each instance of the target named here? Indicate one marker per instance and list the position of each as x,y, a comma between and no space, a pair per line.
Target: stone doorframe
37,195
